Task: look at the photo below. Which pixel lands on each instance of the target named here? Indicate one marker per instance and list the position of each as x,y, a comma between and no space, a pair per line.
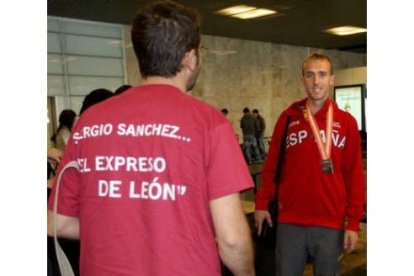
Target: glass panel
83,85
76,103
91,28
52,24
92,53
61,103
54,64
55,85
93,46
92,66
53,43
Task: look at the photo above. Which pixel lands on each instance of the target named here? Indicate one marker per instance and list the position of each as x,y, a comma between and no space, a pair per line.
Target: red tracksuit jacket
306,195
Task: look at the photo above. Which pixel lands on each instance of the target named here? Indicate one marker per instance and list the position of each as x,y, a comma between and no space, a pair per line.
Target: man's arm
266,193
66,227
257,126
263,125
233,234
353,176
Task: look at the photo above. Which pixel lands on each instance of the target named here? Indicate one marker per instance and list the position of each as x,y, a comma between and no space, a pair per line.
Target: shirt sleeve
227,171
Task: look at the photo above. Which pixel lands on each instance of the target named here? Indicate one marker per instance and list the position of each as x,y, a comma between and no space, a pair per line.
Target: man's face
317,79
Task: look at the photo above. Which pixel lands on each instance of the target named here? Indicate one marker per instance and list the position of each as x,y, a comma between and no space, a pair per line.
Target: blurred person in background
260,133
94,97
66,120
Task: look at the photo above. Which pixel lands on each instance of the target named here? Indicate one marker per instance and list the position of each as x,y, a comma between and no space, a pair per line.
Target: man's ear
190,60
302,80
332,80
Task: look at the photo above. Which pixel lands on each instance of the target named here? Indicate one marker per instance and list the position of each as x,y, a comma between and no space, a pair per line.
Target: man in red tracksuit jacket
322,191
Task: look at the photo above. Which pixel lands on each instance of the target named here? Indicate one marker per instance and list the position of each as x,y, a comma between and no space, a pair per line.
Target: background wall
85,55
240,73
350,76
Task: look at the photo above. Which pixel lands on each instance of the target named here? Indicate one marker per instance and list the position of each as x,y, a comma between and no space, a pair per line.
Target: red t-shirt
150,161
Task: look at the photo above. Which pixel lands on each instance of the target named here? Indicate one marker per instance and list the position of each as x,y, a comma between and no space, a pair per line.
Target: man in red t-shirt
159,172
321,186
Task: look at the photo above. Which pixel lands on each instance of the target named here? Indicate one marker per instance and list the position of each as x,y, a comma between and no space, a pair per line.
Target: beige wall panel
350,76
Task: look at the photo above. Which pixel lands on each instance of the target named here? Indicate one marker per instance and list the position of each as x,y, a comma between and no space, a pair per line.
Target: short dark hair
255,111
246,110
225,111
317,56
162,33
122,89
94,97
66,119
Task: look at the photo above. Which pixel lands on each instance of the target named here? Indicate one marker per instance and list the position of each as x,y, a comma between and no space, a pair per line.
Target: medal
324,143
327,166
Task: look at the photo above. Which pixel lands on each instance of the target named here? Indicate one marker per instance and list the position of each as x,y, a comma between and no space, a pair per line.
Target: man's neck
316,105
167,81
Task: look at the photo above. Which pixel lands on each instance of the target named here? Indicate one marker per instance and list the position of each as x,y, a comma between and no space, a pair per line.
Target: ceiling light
254,13
245,12
235,10
345,30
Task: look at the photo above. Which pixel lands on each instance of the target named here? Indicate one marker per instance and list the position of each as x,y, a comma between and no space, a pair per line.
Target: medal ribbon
325,146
